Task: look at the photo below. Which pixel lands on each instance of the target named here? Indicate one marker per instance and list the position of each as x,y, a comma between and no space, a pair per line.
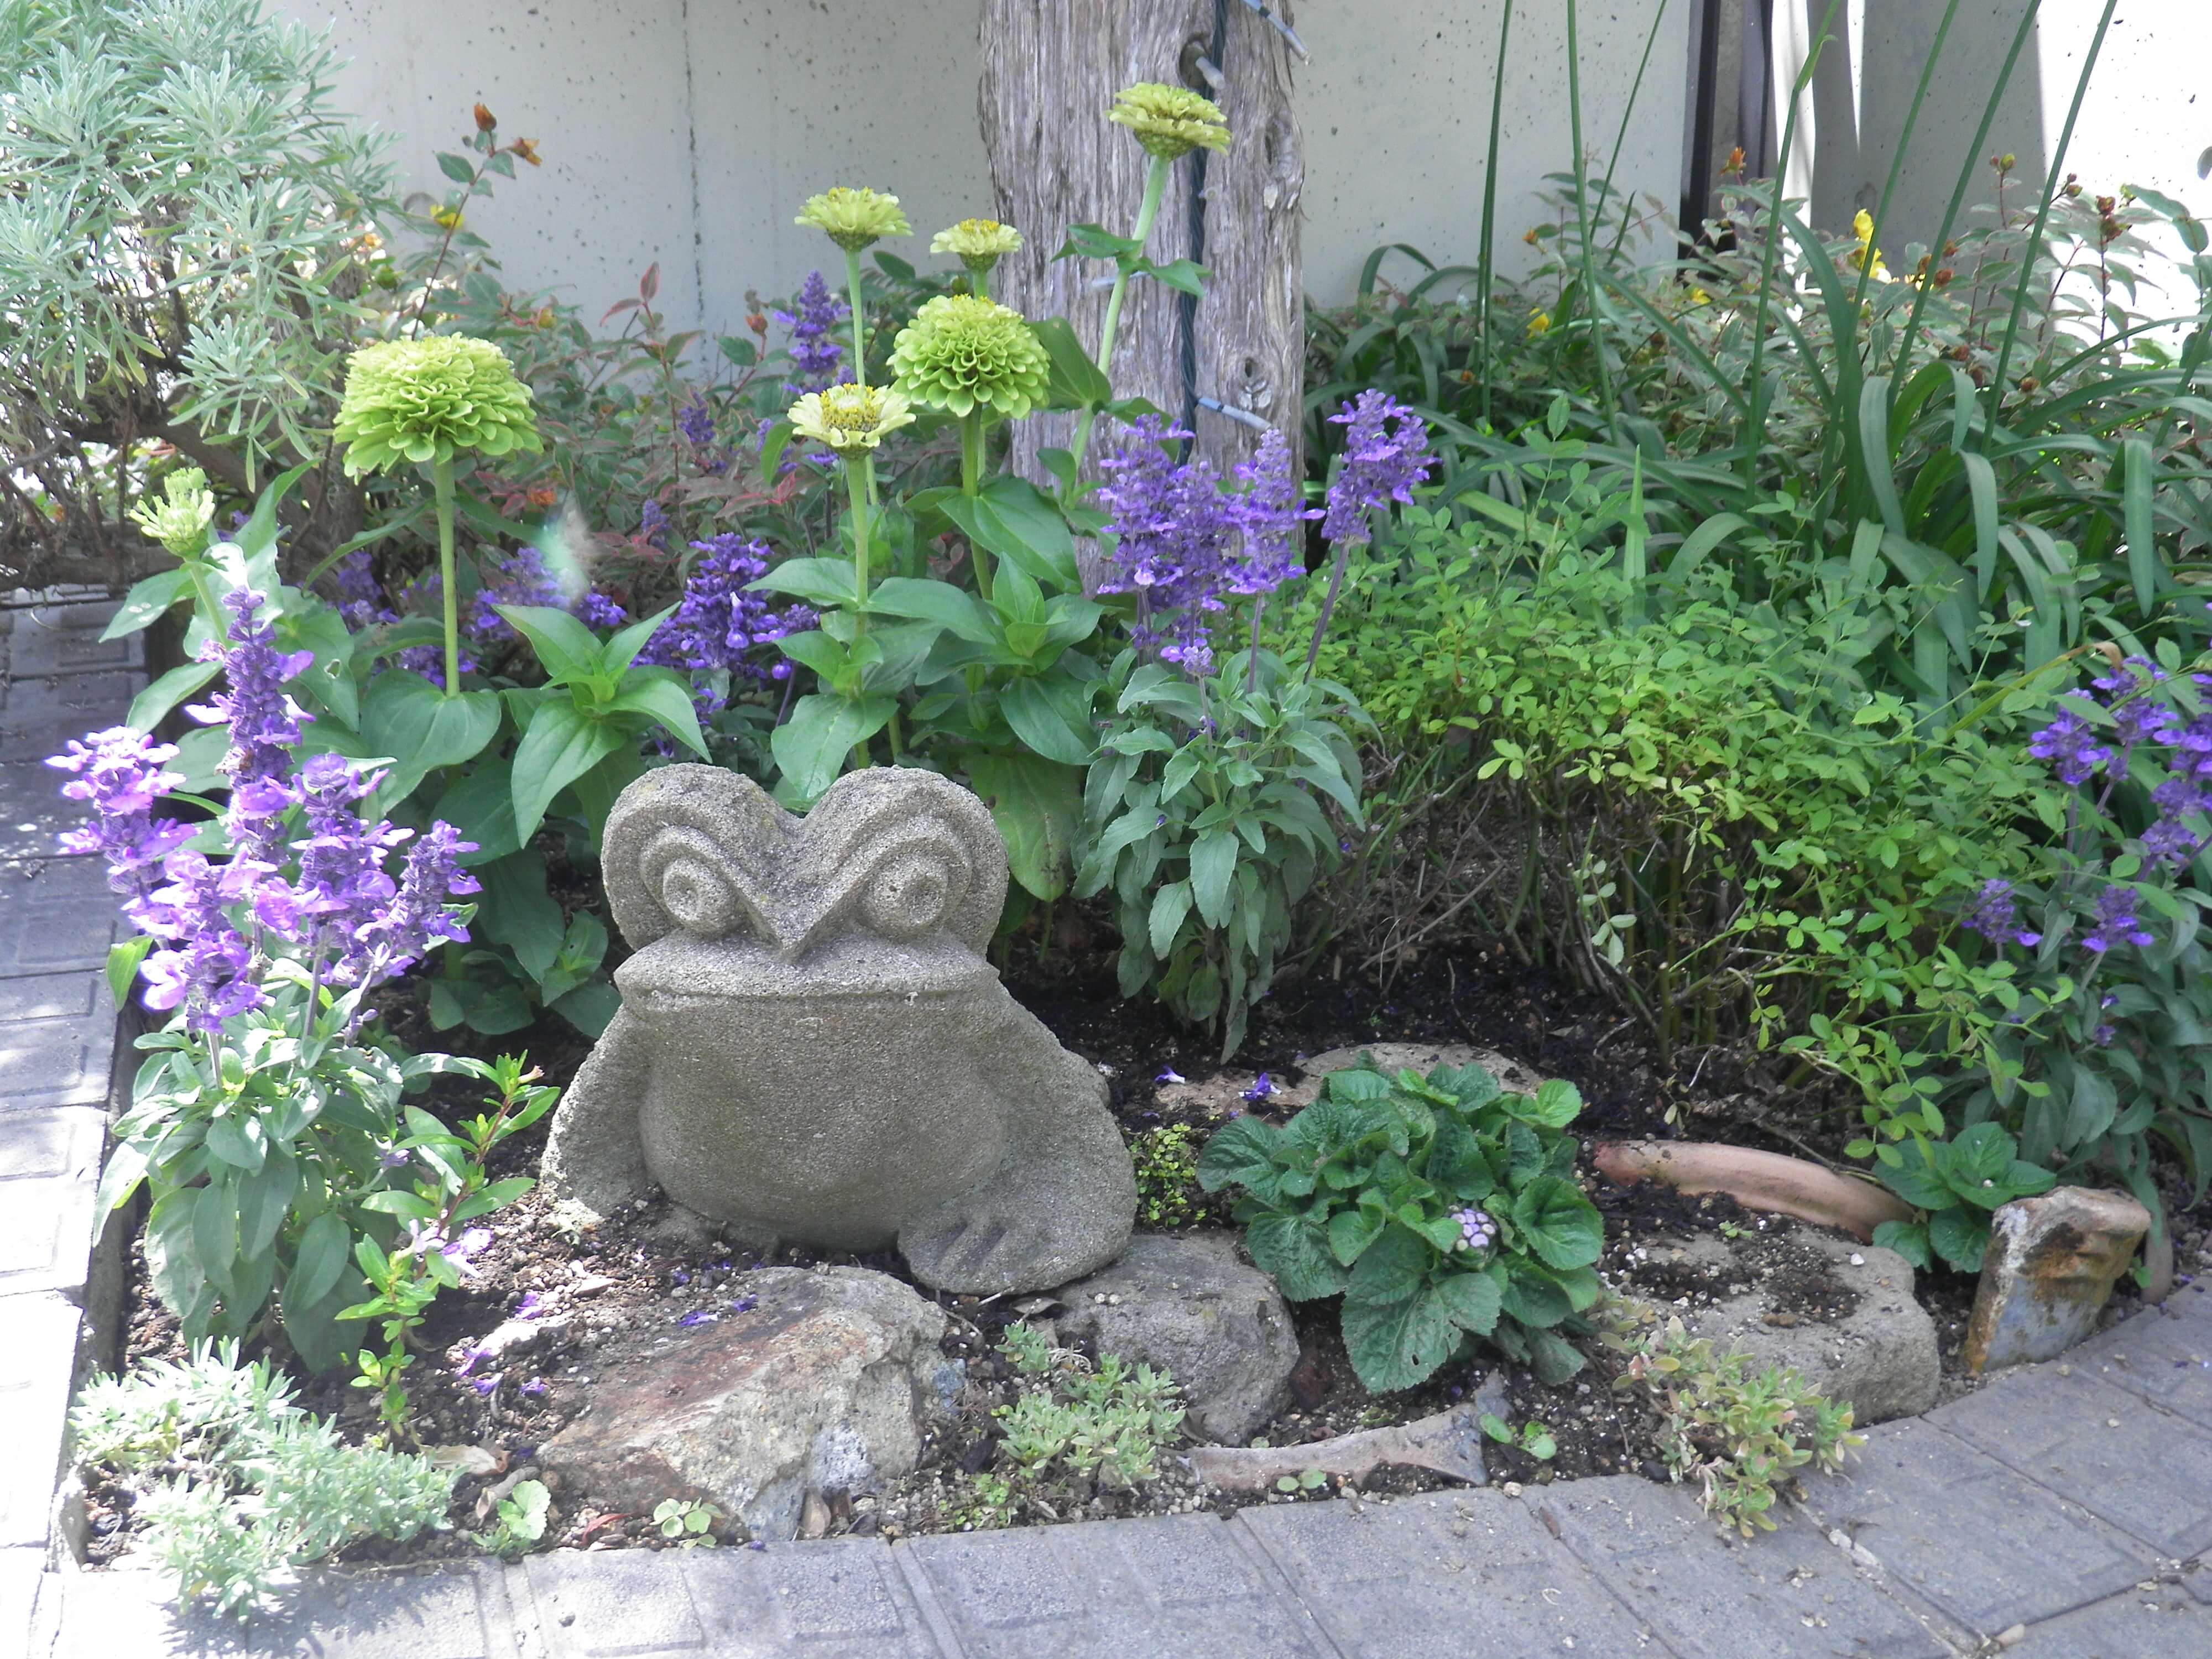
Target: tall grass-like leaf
1621,138
1968,169
1755,424
1582,204
2137,467
2043,214
1486,257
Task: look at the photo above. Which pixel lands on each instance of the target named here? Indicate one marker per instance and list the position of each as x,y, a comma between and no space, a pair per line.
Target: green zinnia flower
961,353
851,419
180,520
1170,122
429,400
981,243
854,218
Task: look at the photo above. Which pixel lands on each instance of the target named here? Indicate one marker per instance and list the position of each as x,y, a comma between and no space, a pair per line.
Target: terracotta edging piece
1758,1180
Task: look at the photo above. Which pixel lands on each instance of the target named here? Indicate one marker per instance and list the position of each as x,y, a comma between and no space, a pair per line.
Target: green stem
2057,170
1582,206
859,484
979,281
1155,184
441,479
1490,209
859,317
971,481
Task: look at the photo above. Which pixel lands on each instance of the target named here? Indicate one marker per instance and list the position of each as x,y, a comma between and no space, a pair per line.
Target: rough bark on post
1051,68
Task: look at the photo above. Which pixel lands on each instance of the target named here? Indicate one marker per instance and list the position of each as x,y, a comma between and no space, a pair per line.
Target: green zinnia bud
850,418
1170,122
981,243
961,353
180,519
429,400
854,218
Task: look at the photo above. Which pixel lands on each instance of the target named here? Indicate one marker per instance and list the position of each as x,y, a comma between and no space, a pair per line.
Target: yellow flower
981,243
1539,322
854,218
1170,122
1699,297
850,419
1869,258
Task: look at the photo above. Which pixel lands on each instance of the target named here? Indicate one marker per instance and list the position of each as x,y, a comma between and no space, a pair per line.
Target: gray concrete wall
688,131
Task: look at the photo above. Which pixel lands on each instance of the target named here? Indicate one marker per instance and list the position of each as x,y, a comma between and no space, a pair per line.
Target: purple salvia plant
120,774
817,315
265,724
1386,453
718,626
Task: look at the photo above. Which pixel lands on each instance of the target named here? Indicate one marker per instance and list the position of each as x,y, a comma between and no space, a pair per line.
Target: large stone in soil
827,1384
1879,1356
1191,1306
2051,1265
812,1046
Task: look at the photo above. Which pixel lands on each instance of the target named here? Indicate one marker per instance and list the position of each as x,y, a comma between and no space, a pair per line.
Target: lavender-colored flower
596,609
487,1386
342,887
205,965
418,917
120,774
697,1317
531,1306
2071,748
520,577
816,316
264,726
652,525
1263,1087
696,420
744,1304
534,1389
2117,922
1169,1074
1272,522
2102,1036
1386,453
469,1358
1995,916
1476,1231
361,596
718,625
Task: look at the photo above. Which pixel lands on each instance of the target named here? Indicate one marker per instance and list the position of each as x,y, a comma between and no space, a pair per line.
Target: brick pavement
2063,1511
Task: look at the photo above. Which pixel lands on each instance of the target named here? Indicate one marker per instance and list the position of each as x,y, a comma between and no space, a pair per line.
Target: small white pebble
1857,1260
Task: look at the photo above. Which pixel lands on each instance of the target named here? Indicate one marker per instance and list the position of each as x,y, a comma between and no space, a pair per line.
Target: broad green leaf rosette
426,401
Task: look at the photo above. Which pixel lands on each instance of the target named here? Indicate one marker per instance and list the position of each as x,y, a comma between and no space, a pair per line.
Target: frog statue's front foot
812,1046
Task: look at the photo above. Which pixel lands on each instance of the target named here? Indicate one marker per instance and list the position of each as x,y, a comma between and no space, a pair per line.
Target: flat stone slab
1962,1531
65,643
21,1575
454,1614
2146,1472
2155,1623
57,1041
1181,1584
1673,1566
2164,1357
1443,1576
56,915
33,812
37,717
38,1361
829,1601
49,1169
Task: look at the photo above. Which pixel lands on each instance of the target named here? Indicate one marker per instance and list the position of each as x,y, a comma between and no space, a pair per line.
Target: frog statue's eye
913,890
692,881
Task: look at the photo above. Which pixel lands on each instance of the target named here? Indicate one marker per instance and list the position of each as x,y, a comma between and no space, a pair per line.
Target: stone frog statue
812,1046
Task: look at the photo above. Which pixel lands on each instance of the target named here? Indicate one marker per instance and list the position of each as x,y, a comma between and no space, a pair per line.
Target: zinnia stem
860,318
442,478
857,485
1155,184
971,482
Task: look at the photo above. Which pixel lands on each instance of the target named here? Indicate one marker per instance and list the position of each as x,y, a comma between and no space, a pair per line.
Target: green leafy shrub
1203,815
1737,1431
1372,1192
1956,1184
239,1484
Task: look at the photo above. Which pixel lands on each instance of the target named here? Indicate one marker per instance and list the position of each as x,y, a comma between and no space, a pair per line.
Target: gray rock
812,1046
826,1385
1880,1356
2051,1265
1192,1307
1394,1057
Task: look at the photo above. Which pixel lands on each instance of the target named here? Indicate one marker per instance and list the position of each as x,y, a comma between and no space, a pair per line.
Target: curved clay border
1758,1180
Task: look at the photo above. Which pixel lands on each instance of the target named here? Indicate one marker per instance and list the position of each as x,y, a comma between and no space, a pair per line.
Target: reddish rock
826,1384
2053,1261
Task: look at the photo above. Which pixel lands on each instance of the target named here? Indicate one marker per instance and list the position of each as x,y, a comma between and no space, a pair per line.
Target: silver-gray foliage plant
241,1483
182,219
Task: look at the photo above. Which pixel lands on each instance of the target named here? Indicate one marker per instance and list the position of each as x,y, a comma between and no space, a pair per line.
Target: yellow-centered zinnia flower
1170,122
962,353
854,218
180,520
429,400
850,419
981,243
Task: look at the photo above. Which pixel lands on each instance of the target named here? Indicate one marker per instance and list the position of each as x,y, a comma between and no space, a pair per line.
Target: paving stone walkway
2063,1512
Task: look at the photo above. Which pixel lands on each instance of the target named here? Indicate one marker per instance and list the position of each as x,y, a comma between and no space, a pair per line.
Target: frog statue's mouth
680,972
